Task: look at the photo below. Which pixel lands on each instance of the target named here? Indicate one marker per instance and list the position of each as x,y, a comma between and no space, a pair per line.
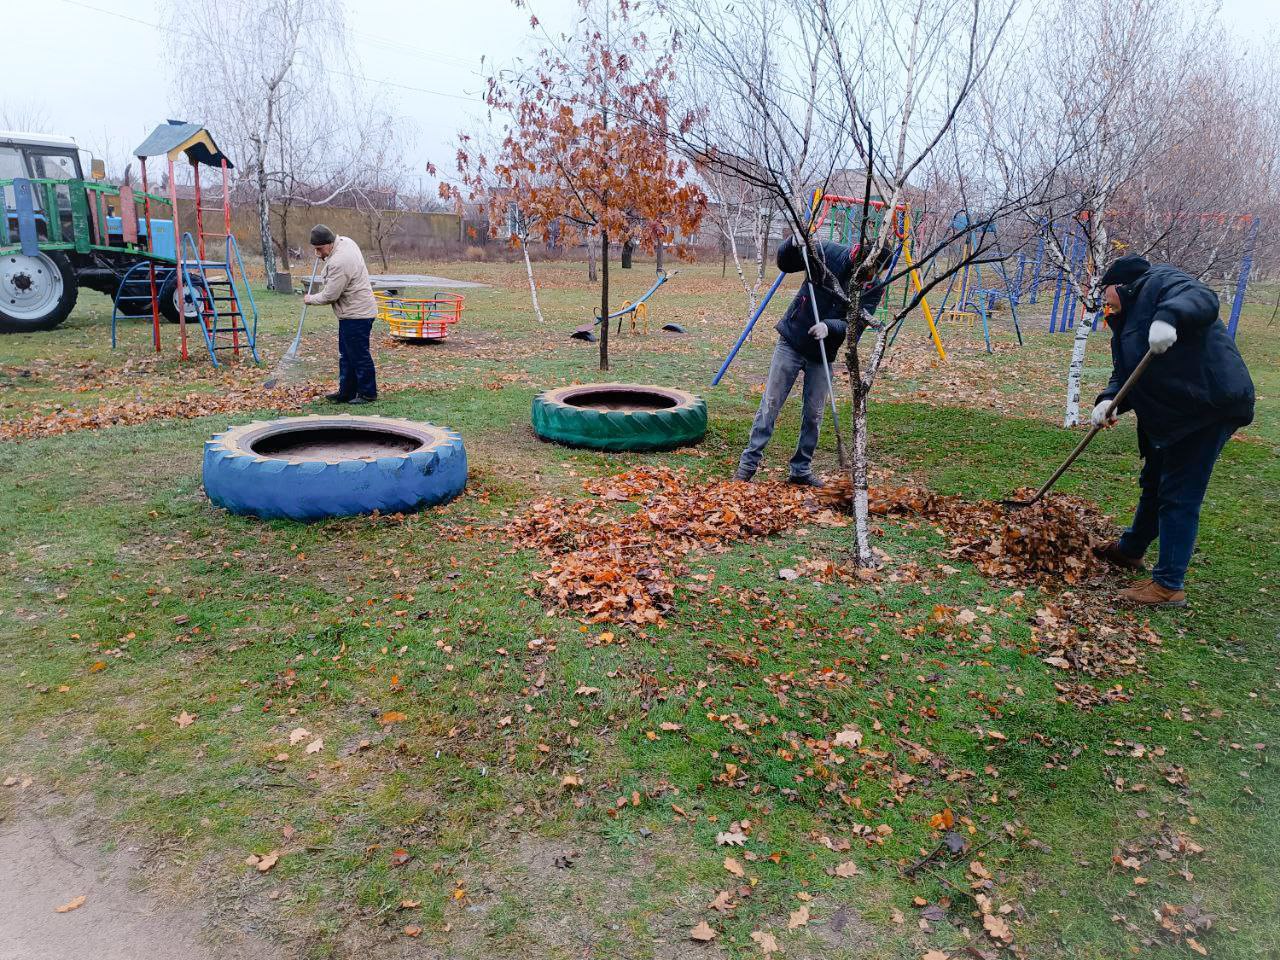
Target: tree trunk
628,248
604,299
661,250
533,287
264,225
284,239
592,277
1075,371
731,242
861,380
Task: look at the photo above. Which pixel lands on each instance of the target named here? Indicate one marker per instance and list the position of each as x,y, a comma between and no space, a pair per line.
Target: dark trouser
787,364
1173,483
356,376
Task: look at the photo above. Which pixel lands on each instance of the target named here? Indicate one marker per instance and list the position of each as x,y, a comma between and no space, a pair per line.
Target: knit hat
320,235
1124,271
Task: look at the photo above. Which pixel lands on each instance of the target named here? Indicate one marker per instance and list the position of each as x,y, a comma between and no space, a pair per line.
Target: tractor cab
39,156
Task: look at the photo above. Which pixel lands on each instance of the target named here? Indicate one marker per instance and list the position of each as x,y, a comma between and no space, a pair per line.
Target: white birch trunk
1090,296
1075,372
742,277
533,287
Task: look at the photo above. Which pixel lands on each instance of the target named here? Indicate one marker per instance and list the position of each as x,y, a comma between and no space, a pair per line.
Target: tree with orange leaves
583,154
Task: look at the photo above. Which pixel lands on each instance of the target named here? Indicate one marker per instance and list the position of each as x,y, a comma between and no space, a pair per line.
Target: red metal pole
177,236
226,198
226,220
151,249
195,169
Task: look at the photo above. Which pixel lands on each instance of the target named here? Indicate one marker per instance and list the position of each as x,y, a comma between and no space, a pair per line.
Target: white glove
818,331
1162,336
1100,416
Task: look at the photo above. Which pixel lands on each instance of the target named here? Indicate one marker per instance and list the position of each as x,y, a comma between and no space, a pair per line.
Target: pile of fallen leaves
117,413
623,569
1047,542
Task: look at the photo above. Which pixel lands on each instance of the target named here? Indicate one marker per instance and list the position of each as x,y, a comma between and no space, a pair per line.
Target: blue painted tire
250,470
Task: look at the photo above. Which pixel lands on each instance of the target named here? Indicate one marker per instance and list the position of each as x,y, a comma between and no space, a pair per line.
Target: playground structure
636,312
978,299
60,231
427,319
1067,310
205,287
841,217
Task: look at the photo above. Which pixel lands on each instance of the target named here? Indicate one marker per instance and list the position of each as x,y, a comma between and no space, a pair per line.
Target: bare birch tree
1094,109
259,60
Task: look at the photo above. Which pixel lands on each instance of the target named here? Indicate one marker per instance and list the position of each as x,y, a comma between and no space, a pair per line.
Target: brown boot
1148,593
1112,553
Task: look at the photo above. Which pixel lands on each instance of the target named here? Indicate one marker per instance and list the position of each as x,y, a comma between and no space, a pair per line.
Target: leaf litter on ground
616,567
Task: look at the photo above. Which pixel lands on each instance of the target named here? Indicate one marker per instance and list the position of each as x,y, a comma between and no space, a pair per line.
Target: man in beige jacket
347,288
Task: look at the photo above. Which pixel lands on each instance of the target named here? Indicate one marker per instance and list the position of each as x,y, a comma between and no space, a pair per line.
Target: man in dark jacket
801,342
1194,395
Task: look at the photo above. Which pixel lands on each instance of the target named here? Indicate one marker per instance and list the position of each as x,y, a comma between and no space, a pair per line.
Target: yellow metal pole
915,280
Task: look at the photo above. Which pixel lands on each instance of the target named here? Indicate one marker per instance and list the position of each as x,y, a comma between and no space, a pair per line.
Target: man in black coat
802,339
1194,395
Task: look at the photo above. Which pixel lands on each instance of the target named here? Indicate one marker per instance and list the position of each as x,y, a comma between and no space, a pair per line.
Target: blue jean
787,364
356,375
1173,483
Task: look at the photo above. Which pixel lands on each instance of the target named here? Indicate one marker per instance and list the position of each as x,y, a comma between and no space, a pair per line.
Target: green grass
127,599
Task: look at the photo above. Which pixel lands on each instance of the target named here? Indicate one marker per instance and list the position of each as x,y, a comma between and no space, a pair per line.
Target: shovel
290,359
1088,439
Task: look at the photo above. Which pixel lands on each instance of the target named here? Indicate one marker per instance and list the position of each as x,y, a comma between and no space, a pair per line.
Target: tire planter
620,416
309,468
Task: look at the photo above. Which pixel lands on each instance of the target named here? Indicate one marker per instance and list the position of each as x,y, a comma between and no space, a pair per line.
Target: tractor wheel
309,468
36,292
169,299
620,416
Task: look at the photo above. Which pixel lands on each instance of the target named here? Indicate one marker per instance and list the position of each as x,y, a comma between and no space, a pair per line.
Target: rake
290,362
826,365
1115,404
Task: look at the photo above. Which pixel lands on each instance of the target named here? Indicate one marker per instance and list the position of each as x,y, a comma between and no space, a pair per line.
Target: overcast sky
109,82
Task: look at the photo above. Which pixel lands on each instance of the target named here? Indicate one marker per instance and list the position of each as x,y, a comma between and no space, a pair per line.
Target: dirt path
44,865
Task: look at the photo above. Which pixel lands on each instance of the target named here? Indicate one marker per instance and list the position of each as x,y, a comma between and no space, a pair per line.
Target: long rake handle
826,365
297,337
1093,432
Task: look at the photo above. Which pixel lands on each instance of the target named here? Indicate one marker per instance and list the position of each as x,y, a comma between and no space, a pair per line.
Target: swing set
838,219
1067,310
978,300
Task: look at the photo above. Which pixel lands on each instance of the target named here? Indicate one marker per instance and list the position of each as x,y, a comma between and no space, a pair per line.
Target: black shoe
805,480
356,401
337,397
743,476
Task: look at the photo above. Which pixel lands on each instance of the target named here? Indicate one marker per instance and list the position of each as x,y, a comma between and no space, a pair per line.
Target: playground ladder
214,287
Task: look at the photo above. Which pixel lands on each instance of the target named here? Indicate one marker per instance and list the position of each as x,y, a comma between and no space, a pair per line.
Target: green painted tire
620,416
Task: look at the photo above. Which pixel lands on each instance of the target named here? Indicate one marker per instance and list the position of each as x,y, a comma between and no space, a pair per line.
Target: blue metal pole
1057,295
1242,282
746,331
1035,273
